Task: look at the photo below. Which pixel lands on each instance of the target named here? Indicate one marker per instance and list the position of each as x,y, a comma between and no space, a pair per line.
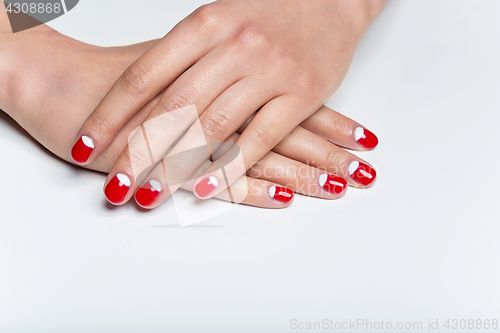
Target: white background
423,243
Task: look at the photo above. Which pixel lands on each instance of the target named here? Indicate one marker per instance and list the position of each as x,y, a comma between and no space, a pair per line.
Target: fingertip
365,138
117,188
147,195
281,194
82,149
333,185
204,188
362,174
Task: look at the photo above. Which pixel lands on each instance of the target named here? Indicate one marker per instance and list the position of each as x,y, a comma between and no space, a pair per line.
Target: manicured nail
365,138
206,186
362,173
148,193
282,194
117,188
332,184
82,149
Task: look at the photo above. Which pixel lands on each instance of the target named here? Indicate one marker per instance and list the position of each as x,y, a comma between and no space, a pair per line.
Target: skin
50,84
226,61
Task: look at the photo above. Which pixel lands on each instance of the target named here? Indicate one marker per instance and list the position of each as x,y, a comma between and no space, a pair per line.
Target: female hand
226,61
37,102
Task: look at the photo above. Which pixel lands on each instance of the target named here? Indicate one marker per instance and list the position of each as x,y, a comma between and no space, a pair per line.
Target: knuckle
282,58
139,160
175,101
264,135
174,172
102,124
207,16
250,36
214,125
337,123
253,186
234,171
134,80
303,174
334,159
256,190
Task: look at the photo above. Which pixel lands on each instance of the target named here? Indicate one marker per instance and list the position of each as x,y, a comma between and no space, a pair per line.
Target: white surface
422,244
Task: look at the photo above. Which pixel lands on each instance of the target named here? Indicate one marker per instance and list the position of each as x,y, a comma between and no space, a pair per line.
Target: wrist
14,70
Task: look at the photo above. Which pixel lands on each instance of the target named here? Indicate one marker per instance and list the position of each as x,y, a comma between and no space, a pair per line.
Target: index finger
141,82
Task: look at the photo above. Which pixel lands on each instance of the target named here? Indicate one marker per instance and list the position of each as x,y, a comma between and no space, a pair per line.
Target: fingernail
332,183
365,138
362,173
206,186
148,193
117,188
82,149
281,194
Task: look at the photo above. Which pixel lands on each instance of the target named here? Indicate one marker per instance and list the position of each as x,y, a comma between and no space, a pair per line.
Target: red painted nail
365,138
362,173
282,194
332,184
117,188
82,149
148,193
206,186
